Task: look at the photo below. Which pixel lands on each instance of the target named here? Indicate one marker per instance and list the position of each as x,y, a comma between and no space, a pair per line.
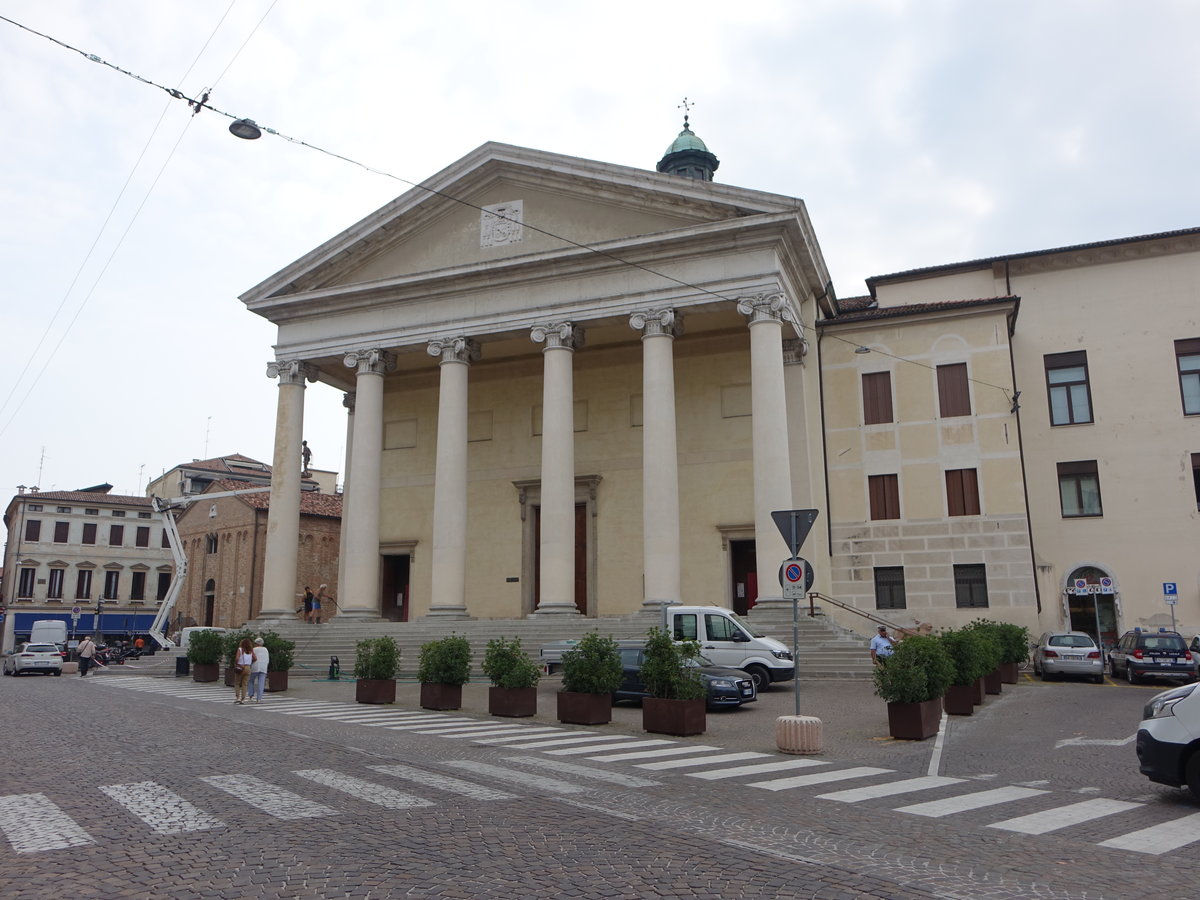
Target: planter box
1008,673
206,671
229,676
915,721
512,703
584,709
277,681
960,699
978,697
676,717
441,696
371,690
992,682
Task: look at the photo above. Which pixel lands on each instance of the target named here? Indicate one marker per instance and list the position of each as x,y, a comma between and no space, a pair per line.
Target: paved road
148,786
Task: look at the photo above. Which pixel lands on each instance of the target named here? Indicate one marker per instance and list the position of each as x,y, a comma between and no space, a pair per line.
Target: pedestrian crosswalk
566,761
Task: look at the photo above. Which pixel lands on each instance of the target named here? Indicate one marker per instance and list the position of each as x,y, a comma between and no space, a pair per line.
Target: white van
49,631
186,634
731,641
1168,740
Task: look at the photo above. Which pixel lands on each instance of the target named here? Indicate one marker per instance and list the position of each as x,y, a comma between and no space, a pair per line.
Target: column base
275,617
446,612
359,615
776,603
557,609
657,605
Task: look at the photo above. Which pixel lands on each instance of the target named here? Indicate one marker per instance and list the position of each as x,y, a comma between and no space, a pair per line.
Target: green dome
687,140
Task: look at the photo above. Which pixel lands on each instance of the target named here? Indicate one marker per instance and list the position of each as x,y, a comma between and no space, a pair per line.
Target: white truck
49,631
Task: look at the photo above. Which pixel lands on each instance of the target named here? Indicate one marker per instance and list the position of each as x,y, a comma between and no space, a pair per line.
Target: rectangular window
164,585
962,492
137,588
89,511
62,532
877,398
83,585
1068,388
970,586
1187,358
954,395
143,515
62,509
119,513
1196,476
889,587
89,532
165,540
142,539
116,535
35,507
112,585
25,583
55,589
1079,489
884,492
33,530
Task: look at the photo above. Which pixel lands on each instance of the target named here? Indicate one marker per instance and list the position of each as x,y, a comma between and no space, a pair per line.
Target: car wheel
1098,679
1129,676
59,672
762,678
1192,774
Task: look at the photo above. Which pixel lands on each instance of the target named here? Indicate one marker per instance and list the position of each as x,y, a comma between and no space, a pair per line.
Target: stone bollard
798,734
70,668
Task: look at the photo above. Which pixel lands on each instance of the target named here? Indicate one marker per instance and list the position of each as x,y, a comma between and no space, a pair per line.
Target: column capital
291,371
659,321
766,308
458,349
348,399
561,335
370,362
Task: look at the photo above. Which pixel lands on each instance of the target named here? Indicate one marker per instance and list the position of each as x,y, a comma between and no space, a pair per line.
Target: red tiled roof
86,497
853,304
327,506
221,463
912,309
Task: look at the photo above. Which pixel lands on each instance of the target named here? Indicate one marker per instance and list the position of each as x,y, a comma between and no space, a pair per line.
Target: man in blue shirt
882,646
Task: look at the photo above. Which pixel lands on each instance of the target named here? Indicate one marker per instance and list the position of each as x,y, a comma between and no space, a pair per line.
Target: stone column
279,600
348,402
660,461
557,576
449,591
772,463
360,553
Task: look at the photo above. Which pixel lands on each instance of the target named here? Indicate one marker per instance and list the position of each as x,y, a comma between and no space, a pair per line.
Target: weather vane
686,105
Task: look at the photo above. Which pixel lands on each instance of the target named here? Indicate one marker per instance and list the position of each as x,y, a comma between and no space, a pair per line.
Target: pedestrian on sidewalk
243,658
86,650
882,647
258,670
322,597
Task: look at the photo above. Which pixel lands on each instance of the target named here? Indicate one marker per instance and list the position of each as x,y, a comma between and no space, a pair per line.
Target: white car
44,658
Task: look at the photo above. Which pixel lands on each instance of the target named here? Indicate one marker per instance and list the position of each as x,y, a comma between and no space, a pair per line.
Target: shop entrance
743,562
1090,610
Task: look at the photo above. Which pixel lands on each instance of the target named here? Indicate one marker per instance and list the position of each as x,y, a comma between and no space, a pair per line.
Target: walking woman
243,659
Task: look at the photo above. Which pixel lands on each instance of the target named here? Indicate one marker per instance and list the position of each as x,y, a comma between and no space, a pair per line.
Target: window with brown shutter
89,532
954,396
877,398
142,538
137,590
962,492
884,491
116,535
33,530
62,532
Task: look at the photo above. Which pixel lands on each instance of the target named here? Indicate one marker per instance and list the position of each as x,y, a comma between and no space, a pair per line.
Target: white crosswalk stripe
703,760
160,808
270,798
528,779
1064,816
479,730
443,782
783,784
363,790
935,809
32,823
548,731
759,769
1159,839
516,743
652,754
576,751
413,725
890,789
583,771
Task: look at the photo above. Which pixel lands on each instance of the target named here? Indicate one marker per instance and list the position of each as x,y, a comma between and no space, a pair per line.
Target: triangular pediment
501,203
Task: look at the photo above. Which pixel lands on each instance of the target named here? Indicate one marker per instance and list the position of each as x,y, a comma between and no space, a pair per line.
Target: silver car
44,658
1068,653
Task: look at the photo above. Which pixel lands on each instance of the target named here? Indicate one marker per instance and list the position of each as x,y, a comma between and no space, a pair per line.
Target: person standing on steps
308,603
319,600
882,646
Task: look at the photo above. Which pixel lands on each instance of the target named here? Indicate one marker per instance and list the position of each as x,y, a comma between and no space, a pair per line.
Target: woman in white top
258,670
243,658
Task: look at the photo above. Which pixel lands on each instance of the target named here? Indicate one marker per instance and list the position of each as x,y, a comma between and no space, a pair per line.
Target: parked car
1194,646
44,658
1068,653
1152,654
1168,738
724,687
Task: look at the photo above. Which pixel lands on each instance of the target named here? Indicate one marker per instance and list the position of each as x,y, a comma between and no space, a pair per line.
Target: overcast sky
917,133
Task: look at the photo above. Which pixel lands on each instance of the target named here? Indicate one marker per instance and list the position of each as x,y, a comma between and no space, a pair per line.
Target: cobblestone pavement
136,786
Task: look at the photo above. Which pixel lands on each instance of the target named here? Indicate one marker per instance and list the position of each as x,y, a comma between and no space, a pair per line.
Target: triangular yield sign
794,525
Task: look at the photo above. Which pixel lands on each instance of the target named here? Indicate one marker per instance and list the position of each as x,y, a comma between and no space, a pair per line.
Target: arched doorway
1092,607
210,601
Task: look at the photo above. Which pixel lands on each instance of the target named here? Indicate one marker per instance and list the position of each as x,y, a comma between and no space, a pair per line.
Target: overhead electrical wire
201,103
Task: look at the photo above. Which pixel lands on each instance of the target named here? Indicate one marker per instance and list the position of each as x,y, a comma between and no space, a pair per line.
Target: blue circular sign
794,573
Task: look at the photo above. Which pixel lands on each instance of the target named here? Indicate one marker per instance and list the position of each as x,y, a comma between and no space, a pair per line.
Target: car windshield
700,660
40,648
1164,642
749,629
1070,640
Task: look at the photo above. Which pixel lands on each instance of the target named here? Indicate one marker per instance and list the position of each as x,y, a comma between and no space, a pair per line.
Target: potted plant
970,655
1014,649
912,682
376,661
514,679
591,671
444,668
281,660
230,641
676,704
204,652
993,651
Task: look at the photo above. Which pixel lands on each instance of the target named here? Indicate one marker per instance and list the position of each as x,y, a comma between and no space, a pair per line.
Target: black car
1147,654
724,687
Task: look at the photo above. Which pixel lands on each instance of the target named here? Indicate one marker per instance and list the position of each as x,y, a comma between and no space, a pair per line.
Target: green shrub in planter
592,666
205,648
970,652
445,661
665,670
1013,639
376,659
920,669
507,665
232,640
993,641
283,652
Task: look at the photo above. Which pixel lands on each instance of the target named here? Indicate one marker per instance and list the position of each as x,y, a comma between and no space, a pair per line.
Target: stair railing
814,596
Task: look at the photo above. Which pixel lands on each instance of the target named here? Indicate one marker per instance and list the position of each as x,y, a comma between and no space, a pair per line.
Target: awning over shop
110,622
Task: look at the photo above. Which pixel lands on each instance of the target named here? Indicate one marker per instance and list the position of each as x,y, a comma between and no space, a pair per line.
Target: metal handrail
813,596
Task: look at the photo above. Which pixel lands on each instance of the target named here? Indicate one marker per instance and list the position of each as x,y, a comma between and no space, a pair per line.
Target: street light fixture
246,129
